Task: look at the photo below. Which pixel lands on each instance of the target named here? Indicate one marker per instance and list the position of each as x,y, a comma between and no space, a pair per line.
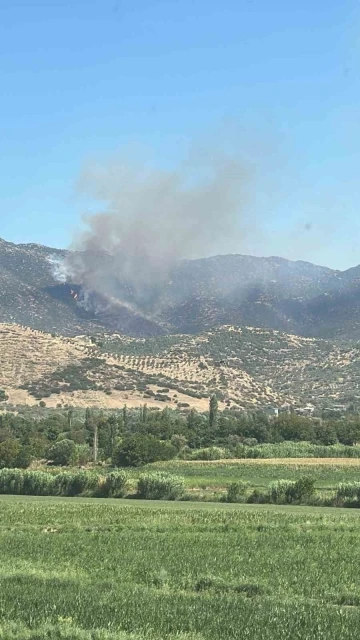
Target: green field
260,473
88,568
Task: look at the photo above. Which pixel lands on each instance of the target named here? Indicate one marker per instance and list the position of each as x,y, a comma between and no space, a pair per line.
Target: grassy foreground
74,568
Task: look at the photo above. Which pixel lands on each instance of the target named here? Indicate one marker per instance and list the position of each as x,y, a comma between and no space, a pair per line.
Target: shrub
17,481
137,449
240,451
11,481
40,483
3,396
113,485
160,486
258,497
162,398
301,491
179,442
210,453
14,455
62,453
73,484
291,491
82,454
9,450
37,483
236,492
348,493
60,484
23,458
39,446
278,490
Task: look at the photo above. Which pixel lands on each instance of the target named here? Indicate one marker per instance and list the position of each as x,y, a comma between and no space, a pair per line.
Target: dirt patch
101,400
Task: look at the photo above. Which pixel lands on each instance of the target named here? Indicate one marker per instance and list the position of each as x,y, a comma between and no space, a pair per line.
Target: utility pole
96,440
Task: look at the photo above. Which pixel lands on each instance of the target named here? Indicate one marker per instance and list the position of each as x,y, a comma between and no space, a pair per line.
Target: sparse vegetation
248,367
3,396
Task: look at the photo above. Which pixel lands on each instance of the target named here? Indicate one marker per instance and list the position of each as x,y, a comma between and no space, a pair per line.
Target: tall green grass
65,483
287,449
221,474
102,571
160,486
297,450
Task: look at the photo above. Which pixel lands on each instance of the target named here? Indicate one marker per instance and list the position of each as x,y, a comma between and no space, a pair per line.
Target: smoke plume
150,220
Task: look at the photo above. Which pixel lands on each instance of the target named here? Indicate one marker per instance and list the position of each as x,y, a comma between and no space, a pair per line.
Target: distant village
309,410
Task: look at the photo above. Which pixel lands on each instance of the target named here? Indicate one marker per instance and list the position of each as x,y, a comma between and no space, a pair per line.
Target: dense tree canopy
138,435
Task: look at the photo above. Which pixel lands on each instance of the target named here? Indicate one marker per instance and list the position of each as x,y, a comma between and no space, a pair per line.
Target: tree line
136,436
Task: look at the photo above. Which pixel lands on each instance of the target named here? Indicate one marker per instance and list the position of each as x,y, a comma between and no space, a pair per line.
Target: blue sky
80,80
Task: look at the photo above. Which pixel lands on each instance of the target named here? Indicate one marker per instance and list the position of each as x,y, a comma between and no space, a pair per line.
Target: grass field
208,480
327,472
101,569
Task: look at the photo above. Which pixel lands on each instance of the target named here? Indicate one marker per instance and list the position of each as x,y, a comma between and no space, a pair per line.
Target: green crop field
106,569
259,473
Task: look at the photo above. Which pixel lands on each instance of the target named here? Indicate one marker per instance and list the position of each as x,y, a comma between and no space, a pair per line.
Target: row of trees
131,436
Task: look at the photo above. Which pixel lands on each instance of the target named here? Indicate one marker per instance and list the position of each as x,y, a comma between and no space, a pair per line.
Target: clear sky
82,78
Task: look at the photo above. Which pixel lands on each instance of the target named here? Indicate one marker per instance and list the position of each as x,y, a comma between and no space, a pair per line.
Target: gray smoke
153,218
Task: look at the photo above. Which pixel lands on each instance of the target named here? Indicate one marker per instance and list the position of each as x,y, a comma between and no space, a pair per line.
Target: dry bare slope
247,367
38,366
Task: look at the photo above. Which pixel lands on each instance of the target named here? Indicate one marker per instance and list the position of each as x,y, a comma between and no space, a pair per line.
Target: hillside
294,297
246,367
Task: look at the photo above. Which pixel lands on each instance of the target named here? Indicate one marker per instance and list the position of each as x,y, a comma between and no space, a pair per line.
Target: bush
9,450
236,492
162,398
113,485
302,491
73,484
14,455
210,453
82,454
23,458
160,486
41,483
11,481
178,441
3,396
18,482
258,497
291,492
278,490
37,483
137,449
347,494
62,453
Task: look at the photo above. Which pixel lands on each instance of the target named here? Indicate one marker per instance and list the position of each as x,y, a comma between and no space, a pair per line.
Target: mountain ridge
269,292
